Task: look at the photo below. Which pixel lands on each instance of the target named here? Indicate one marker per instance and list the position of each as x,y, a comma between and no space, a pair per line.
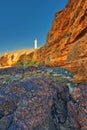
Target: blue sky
23,20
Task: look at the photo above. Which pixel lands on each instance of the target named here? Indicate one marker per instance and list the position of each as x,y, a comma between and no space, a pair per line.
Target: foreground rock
31,105
35,99
77,109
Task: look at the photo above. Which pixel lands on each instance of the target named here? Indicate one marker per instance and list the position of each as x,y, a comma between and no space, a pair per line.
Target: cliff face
67,40
66,44
11,58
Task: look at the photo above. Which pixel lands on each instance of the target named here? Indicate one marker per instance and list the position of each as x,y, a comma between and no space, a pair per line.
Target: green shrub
28,63
37,63
20,63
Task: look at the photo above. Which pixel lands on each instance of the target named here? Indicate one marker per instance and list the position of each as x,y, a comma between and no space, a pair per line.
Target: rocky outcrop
33,99
77,108
11,58
66,44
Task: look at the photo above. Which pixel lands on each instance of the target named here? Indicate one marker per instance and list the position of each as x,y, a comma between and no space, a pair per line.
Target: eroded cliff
67,40
11,58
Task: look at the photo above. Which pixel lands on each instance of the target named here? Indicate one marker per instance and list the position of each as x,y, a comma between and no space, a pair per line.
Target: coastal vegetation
27,63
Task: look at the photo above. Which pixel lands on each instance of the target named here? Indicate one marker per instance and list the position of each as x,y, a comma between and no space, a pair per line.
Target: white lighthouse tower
35,43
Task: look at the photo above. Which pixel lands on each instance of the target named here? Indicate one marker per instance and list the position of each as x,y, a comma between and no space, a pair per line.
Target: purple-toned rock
77,109
36,103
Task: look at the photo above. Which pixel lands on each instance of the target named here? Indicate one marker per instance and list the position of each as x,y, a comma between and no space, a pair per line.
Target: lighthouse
35,43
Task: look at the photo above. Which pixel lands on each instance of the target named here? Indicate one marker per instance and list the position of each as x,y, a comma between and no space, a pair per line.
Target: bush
20,63
28,63
37,63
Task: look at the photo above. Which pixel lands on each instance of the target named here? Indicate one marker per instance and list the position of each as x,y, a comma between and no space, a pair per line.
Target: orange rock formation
67,40
11,58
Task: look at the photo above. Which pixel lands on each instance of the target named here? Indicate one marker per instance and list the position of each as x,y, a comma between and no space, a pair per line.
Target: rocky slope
38,98
11,58
66,44
67,40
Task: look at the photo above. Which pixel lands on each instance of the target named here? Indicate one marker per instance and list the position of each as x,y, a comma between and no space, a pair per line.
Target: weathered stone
40,101
78,108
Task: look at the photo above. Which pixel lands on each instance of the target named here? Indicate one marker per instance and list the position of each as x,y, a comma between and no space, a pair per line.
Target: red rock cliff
66,44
